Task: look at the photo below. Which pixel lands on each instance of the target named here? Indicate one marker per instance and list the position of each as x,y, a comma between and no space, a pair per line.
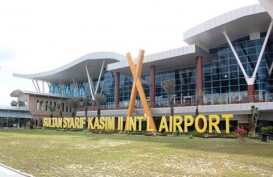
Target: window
38,105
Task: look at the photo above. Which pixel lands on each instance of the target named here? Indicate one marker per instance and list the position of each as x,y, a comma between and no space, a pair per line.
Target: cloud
6,54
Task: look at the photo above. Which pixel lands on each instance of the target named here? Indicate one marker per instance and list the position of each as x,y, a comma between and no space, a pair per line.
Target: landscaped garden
59,153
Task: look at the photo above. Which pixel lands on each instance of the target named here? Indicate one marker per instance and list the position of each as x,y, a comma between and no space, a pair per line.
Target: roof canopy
75,70
18,92
237,24
167,60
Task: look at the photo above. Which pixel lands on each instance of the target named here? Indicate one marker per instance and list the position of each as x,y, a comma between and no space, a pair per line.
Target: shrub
270,129
251,135
30,124
241,132
264,130
164,134
228,135
233,134
194,134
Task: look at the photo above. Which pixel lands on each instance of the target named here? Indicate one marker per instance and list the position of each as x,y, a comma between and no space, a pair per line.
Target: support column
199,86
101,70
117,83
152,86
251,93
34,86
90,82
199,78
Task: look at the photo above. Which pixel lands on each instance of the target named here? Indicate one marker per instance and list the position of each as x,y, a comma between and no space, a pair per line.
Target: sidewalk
6,171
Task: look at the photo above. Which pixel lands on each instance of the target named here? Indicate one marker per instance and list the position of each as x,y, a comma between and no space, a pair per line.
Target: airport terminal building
227,64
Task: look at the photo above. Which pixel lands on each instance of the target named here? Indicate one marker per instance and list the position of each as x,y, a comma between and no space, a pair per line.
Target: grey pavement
6,171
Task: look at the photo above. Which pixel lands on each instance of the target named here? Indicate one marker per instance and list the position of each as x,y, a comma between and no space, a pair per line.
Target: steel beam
101,70
90,82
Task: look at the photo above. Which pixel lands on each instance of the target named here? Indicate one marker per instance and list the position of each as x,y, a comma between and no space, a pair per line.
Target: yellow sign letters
176,123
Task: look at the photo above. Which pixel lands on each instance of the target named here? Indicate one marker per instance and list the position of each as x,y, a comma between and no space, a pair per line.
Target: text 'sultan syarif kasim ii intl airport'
226,68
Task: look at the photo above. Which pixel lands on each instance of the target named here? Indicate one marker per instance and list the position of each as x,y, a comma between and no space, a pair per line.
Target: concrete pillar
152,86
251,93
117,82
199,78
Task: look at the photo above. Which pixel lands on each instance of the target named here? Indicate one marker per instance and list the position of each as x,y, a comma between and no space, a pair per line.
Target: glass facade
223,80
69,89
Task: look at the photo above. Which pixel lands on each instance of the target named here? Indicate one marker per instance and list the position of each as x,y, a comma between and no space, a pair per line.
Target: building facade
227,66
40,105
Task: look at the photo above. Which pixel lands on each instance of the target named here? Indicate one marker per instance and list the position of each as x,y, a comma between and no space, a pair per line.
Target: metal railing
206,99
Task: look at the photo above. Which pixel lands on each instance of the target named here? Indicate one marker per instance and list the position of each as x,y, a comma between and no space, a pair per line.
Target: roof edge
223,19
17,92
157,56
89,56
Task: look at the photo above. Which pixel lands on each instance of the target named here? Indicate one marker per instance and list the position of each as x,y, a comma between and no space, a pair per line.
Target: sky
40,35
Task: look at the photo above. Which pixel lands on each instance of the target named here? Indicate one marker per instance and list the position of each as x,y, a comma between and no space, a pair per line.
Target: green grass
56,153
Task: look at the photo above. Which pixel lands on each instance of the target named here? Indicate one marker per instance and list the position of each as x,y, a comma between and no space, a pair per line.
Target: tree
100,100
255,114
13,103
169,88
60,107
52,109
74,104
21,103
86,100
198,98
18,103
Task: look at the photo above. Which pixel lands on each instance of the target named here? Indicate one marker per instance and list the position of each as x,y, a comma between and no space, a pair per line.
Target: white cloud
46,34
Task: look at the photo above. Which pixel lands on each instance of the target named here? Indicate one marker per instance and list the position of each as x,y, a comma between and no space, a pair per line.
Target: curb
17,171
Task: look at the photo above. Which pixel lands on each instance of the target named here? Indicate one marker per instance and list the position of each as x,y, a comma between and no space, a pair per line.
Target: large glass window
227,79
223,80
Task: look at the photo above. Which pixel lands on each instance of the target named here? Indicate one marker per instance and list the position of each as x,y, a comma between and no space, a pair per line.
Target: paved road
10,172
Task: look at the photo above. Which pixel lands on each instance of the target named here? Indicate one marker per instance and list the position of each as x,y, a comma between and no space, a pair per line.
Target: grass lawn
56,153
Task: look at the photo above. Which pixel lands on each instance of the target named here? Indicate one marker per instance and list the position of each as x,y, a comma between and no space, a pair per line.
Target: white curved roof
166,60
76,69
19,92
238,23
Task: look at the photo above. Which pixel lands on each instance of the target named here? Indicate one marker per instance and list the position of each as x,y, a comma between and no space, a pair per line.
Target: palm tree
197,104
59,106
198,98
169,88
74,104
100,100
86,100
255,114
51,109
